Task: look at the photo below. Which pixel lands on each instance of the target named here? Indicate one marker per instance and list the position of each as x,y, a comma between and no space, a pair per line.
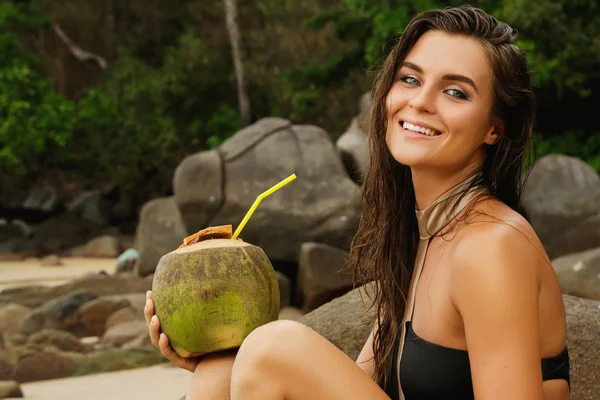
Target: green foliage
170,88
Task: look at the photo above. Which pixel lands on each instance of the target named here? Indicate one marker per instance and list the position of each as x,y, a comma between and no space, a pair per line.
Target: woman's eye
410,80
459,94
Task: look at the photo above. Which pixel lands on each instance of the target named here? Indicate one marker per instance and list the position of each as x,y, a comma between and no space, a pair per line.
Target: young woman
468,305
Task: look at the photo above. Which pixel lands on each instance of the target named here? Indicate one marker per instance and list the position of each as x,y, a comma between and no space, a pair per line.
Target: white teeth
414,128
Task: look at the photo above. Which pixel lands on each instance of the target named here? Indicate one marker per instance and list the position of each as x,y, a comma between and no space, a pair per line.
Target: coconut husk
213,232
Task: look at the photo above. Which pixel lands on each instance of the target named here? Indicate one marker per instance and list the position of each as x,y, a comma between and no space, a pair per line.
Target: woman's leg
212,377
288,360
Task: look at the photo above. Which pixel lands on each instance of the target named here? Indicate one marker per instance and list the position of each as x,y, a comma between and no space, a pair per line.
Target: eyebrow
448,77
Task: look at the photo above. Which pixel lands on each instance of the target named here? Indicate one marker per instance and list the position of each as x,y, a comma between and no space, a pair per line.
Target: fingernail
154,319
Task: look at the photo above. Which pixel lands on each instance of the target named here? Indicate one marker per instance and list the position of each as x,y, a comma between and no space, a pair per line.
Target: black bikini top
427,370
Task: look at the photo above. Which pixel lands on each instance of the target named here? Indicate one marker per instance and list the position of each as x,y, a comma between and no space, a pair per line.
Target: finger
167,351
154,331
148,310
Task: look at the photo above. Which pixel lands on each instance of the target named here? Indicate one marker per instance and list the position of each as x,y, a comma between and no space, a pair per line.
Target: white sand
30,272
160,382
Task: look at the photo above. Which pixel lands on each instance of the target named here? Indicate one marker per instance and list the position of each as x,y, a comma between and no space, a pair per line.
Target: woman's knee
272,341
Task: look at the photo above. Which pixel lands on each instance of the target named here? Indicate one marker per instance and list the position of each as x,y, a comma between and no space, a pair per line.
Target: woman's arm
365,359
495,288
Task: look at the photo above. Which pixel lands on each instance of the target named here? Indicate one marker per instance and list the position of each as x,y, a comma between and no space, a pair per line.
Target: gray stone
94,314
42,197
59,313
12,316
321,205
198,188
91,206
10,389
581,237
285,289
322,274
60,340
63,233
105,246
120,334
43,365
579,274
561,192
161,230
353,148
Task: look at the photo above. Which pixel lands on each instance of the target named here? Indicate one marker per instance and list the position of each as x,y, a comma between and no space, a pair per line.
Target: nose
423,100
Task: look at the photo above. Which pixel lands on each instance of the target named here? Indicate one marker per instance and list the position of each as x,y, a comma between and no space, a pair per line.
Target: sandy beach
159,382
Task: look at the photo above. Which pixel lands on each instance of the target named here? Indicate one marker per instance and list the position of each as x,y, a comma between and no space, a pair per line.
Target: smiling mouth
419,129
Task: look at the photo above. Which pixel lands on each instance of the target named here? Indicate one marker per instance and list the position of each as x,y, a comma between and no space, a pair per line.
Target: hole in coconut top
211,243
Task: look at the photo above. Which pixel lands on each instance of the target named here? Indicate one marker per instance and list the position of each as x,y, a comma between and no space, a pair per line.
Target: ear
494,134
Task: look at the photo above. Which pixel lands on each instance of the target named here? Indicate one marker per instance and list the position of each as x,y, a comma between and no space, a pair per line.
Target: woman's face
438,109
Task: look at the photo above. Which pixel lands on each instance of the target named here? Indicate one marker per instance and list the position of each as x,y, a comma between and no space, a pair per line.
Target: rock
43,365
137,301
110,360
105,246
143,340
59,313
61,340
10,389
291,313
122,316
161,230
321,274
581,237
561,192
11,317
89,341
285,289
579,274
364,108
346,323
98,284
583,331
94,314
51,261
91,206
322,205
123,333
62,233
353,149
17,339
43,197
127,260
198,188
7,371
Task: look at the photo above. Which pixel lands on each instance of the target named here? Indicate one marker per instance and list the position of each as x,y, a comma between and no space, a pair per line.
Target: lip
419,123
415,135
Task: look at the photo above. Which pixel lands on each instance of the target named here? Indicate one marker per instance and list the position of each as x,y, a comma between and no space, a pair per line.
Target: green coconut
211,294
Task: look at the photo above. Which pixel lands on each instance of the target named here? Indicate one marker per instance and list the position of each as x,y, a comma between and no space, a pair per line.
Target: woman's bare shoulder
495,234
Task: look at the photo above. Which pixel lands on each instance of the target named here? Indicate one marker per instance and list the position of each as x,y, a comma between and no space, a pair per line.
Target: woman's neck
430,185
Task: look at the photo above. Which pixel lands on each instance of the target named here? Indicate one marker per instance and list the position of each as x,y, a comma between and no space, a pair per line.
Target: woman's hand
161,341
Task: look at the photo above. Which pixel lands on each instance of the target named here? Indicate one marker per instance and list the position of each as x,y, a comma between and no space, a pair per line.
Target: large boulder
322,205
353,148
322,274
560,193
64,232
581,237
12,316
198,188
346,323
579,274
161,230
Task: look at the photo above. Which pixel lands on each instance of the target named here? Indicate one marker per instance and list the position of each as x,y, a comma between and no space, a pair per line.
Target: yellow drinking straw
258,200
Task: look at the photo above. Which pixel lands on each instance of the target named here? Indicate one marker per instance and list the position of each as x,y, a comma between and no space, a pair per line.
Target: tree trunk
233,30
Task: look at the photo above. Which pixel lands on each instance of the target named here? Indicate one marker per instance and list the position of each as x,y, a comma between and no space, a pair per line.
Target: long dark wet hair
384,247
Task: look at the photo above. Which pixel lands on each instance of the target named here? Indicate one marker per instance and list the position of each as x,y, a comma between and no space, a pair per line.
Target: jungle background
110,95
